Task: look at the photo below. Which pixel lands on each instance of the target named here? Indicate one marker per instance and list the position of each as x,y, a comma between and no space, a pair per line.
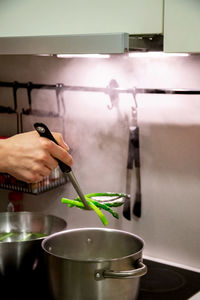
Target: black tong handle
44,131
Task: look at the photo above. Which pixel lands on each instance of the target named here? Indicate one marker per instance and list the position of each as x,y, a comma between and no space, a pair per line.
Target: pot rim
32,213
45,240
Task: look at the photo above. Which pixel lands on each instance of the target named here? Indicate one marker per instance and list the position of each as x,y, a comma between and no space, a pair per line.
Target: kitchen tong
133,160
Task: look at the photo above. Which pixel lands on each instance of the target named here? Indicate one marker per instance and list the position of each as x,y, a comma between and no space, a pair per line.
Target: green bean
72,203
108,194
38,235
81,205
99,213
113,202
27,236
101,205
96,205
5,236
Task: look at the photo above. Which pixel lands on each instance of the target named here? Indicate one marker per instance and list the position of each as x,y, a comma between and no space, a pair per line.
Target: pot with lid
93,263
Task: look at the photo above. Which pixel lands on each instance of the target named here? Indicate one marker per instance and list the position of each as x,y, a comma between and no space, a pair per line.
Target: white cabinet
182,26
50,17
75,26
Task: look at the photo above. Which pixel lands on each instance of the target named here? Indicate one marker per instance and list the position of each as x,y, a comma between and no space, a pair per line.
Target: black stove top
162,282
165,282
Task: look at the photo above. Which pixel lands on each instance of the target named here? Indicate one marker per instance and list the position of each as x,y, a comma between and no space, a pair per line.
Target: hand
29,157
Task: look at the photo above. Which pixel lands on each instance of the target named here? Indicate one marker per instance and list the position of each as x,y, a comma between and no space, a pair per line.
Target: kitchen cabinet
73,26
93,26
49,17
181,26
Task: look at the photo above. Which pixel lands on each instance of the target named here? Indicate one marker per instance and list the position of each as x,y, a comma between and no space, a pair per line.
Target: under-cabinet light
156,54
83,55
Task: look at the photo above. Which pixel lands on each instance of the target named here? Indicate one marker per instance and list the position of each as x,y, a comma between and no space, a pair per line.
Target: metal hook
134,107
15,87
59,96
113,94
29,89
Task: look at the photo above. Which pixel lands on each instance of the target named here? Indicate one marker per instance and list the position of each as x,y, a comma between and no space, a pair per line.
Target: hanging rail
106,90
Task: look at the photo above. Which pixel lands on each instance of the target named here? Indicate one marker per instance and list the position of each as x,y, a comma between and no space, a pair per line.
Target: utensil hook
29,87
134,107
29,90
113,94
60,98
15,88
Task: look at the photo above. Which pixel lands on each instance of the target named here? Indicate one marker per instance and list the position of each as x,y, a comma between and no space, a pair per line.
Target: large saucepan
93,263
20,252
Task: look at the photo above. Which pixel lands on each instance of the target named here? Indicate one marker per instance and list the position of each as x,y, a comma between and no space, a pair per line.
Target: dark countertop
168,282
162,282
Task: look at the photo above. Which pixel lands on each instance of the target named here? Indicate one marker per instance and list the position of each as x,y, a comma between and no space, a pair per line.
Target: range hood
109,43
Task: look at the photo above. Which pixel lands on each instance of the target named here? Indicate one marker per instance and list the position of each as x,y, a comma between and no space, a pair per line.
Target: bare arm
29,157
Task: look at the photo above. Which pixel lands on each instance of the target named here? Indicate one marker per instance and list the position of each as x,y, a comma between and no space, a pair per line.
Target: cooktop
162,282
166,282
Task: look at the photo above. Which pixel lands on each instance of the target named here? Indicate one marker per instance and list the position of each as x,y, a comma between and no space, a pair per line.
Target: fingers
50,162
45,159
58,151
44,171
33,178
30,157
36,174
60,140
28,176
61,154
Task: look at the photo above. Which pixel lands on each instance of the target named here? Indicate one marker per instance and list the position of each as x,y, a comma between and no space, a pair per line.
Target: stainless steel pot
19,258
93,263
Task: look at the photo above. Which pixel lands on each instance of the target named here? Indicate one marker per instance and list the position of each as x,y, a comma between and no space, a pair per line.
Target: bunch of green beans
96,205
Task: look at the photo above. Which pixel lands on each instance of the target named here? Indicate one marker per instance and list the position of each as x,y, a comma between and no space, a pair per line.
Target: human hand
29,157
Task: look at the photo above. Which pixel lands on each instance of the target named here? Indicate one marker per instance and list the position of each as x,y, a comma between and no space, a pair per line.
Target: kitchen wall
98,138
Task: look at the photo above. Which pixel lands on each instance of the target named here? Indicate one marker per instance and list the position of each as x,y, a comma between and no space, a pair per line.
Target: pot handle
142,270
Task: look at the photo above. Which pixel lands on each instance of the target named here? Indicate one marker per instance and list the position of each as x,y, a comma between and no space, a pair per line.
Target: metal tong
133,157
43,131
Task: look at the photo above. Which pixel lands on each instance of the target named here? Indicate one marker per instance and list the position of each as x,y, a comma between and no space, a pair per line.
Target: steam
98,137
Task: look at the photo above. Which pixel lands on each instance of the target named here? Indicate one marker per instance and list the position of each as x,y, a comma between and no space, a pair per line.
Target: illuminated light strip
83,55
156,54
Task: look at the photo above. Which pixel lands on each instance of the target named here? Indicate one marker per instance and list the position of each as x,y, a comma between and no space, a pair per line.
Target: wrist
3,155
